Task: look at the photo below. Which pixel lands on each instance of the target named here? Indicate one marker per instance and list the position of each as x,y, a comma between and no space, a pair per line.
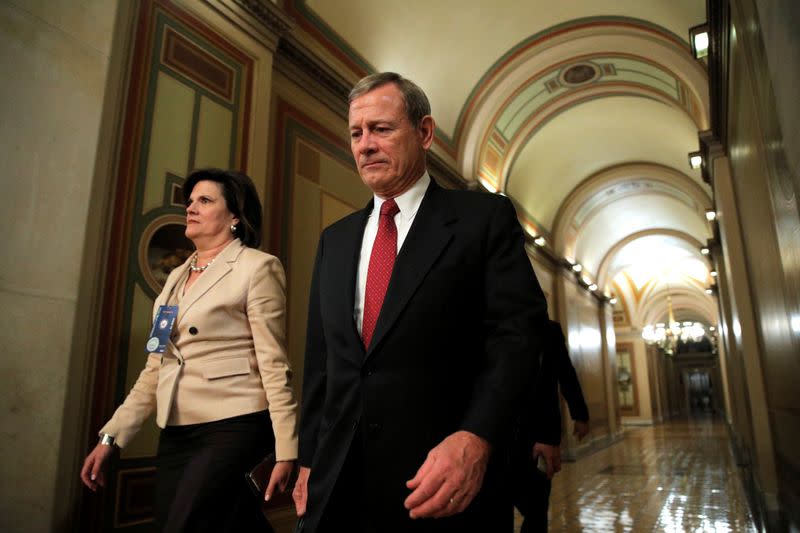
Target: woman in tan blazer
222,386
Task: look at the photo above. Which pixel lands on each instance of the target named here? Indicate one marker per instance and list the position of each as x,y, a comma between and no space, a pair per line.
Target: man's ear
426,129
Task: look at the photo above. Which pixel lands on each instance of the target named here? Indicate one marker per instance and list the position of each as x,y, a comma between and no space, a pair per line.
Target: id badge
162,329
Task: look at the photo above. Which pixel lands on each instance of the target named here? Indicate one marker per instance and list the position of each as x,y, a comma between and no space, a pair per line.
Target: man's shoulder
345,224
473,200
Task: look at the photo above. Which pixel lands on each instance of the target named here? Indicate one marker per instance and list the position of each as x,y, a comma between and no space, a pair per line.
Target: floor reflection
679,476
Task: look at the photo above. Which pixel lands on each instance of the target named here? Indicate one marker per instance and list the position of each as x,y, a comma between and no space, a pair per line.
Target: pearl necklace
193,265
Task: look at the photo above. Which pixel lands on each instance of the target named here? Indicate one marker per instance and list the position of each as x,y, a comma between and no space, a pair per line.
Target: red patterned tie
381,262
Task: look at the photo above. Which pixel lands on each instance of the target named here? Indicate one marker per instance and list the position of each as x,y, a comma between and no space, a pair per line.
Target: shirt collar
409,201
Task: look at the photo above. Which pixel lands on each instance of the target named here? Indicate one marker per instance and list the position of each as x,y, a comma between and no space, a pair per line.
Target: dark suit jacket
451,349
540,418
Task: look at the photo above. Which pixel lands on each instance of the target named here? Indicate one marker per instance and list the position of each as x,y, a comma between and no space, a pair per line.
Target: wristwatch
106,439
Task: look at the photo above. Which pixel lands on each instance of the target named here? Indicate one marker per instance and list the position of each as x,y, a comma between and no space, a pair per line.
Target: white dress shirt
409,203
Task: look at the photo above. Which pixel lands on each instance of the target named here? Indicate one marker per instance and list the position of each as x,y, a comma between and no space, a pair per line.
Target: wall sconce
700,39
539,241
613,301
709,291
711,215
577,267
695,160
704,250
592,287
713,273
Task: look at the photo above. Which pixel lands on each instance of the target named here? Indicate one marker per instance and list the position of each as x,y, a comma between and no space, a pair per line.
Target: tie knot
389,208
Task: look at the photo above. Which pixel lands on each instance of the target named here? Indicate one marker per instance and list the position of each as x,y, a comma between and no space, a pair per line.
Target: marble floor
679,476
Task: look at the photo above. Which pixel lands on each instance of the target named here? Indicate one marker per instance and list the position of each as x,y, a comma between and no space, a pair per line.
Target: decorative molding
269,14
711,148
299,64
719,29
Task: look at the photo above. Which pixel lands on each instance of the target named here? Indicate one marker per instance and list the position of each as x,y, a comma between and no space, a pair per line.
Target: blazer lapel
169,286
218,269
427,239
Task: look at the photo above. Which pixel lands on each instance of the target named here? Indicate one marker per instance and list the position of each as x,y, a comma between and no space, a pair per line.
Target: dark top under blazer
451,349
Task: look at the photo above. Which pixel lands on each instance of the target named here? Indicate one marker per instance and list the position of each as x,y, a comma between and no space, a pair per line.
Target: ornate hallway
651,150
674,477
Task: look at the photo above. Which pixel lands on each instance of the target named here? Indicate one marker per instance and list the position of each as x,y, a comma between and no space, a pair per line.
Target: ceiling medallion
579,74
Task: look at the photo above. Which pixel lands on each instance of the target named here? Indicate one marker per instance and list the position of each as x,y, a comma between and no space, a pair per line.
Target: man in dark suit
423,316
538,430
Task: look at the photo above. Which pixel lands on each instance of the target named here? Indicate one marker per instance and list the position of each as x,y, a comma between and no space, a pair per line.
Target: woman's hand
93,471
279,478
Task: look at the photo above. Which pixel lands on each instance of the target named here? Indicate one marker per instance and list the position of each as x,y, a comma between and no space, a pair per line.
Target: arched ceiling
583,112
449,45
627,215
592,136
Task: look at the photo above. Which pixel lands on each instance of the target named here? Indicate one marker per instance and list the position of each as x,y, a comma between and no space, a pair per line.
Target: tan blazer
229,356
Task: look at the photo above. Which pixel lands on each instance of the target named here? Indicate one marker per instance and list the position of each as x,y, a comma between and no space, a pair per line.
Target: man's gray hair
417,104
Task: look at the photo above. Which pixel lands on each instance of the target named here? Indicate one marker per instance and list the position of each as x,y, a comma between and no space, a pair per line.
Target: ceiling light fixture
700,40
711,215
613,301
539,241
666,336
577,267
713,273
704,250
695,160
593,287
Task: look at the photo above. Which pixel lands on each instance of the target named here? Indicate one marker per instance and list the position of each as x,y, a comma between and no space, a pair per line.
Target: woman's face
208,219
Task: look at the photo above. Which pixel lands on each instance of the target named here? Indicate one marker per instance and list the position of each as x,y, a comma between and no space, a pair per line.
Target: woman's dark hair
240,196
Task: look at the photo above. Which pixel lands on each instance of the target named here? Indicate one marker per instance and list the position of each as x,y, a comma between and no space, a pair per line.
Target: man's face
389,151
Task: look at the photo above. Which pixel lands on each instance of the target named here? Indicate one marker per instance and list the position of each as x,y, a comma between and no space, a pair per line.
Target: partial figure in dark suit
423,316
538,431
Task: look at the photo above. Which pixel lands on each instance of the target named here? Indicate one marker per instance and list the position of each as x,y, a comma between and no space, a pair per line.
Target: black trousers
531,493
200,475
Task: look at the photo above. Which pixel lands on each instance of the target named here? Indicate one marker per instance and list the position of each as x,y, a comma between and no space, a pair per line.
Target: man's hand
93,471
279,478
580,429
450,477
300,492
552,456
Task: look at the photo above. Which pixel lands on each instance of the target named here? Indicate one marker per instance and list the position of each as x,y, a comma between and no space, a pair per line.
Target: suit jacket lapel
347,258
428,237
219,268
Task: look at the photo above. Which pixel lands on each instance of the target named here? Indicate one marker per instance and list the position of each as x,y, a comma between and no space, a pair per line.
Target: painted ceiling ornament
579,74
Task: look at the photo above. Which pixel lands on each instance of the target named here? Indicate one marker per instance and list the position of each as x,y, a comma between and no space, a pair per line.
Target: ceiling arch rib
603,187
630,215
548,97
663,69
686,305
615,261
584,141
650,305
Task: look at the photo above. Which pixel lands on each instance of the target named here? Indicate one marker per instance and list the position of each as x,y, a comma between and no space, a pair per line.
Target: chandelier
667,335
